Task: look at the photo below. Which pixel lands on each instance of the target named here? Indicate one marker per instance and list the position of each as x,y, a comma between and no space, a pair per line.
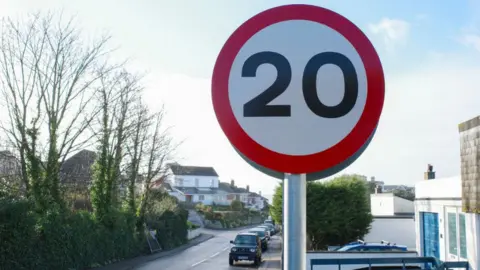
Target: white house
443,230
256,201
387,204
195,184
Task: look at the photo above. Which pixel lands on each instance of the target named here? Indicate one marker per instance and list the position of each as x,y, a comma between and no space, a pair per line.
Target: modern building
443,230
447,220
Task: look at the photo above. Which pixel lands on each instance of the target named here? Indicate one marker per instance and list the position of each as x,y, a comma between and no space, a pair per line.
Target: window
463,236
179,182
452,234
201,197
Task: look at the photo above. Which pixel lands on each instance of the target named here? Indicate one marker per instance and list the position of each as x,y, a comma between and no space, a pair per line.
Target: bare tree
160,150
136,153
117,96
48,76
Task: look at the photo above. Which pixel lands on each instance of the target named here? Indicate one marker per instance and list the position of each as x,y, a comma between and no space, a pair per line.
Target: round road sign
298,89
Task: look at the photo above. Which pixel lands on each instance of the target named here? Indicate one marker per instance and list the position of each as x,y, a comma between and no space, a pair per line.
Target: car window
245,240
259,233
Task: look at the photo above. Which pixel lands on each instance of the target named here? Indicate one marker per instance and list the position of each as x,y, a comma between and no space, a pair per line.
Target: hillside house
195,184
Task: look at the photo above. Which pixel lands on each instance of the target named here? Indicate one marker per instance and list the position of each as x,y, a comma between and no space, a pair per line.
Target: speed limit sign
298,89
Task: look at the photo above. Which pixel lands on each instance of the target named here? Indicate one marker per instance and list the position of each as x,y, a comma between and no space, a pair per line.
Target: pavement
213,254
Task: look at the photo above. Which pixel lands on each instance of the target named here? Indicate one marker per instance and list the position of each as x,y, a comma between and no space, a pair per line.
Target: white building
194,184
443,230
387,204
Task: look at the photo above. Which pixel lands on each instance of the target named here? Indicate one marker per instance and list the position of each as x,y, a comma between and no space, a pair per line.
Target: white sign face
296,128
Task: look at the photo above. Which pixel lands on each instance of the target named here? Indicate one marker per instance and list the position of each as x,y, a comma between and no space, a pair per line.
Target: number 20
258,106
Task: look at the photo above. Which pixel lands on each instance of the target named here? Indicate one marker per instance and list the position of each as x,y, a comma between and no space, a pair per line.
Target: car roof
257,229
377,245
247,233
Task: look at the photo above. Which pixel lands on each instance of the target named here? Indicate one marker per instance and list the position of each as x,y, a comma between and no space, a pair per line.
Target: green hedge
62,240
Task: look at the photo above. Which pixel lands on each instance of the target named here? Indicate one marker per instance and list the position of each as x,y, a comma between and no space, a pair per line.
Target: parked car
263,237
383,246
272,222
246,247
268,229
272,228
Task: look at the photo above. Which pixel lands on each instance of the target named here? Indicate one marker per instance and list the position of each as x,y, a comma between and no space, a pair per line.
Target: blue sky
430,51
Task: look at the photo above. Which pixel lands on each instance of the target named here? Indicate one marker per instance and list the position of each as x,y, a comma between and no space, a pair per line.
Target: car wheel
230,261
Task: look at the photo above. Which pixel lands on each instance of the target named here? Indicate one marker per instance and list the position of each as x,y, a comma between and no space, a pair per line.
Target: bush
236,205
169,219
338,211
62,240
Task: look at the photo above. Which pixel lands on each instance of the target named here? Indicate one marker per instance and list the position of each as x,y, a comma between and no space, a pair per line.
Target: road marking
214,254
225,248
195,264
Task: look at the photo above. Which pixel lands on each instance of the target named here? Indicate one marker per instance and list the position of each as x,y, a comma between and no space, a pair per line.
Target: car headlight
234,249
252,250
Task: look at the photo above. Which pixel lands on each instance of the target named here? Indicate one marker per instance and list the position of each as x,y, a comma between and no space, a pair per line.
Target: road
213,254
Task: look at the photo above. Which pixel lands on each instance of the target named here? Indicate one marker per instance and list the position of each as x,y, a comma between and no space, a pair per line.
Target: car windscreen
259,233
245,240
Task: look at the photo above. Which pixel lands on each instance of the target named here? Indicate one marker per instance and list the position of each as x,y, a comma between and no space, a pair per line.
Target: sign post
298,90
295,225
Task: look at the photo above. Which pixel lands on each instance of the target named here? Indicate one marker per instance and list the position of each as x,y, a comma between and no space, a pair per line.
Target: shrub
236,205
169,219
62,240
338,211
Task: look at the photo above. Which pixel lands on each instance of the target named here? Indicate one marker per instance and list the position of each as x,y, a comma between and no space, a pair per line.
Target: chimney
378,189
372,178
232,183
260,193
248,188
429,174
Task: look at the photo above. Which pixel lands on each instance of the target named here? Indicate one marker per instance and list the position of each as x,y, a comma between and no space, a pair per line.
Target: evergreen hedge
338,211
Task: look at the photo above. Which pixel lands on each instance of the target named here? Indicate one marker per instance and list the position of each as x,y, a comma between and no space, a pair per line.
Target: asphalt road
213,254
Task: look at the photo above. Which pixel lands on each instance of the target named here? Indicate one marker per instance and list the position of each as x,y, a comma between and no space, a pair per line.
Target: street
213,254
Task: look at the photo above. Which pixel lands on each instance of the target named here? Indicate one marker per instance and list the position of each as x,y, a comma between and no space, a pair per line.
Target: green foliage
59,240
338,211
168,218
276,209
236,205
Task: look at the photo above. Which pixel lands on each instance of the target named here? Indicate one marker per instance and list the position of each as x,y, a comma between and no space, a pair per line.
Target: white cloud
392,31
471,40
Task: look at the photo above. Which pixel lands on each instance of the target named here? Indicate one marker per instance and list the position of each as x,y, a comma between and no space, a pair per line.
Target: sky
430,51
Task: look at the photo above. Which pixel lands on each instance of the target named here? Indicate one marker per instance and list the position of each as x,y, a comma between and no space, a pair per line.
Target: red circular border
306,163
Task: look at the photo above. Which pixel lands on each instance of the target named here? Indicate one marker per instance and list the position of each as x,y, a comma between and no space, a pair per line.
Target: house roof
231,189
78,167
193,170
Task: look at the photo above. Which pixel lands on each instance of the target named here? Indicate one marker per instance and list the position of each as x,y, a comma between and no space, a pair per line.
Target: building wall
382,204
402,205
395,230
193,181
206,199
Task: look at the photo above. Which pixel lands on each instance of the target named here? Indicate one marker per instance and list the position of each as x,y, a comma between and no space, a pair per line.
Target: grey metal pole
295,221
